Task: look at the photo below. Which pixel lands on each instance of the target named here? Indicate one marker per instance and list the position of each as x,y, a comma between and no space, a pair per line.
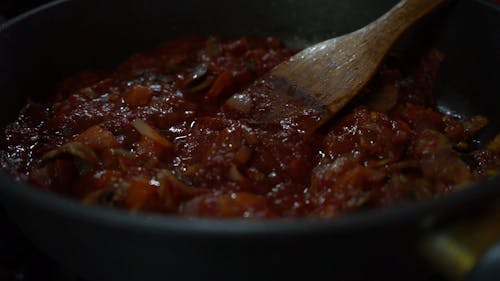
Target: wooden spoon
325,77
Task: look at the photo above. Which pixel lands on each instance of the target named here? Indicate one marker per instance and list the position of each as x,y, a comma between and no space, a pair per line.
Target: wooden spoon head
316,83
334,71
274,101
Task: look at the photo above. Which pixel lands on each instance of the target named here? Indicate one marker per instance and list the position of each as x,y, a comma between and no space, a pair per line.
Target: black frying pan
42,46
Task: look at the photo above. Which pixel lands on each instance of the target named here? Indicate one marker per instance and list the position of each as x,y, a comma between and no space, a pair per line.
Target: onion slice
75,149
240,102
146,130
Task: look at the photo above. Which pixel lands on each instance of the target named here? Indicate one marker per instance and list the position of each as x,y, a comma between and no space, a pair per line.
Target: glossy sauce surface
165,132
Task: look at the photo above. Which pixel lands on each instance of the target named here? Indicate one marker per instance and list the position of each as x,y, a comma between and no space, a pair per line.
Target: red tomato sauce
162,132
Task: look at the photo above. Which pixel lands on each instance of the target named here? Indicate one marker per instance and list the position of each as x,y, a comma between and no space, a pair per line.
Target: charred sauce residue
163,132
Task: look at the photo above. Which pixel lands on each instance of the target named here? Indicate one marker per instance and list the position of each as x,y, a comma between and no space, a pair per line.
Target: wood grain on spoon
320,80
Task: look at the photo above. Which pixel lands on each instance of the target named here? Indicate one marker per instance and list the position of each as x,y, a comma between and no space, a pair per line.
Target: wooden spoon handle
400,18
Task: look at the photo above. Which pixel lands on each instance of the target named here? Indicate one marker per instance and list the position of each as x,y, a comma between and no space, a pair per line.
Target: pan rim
173,224
13,21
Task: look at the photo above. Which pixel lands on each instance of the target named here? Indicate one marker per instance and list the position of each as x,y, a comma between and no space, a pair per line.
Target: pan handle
469,250
488,266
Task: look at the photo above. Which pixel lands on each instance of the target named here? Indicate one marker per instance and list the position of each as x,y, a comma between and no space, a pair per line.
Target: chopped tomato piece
138,95
97,138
